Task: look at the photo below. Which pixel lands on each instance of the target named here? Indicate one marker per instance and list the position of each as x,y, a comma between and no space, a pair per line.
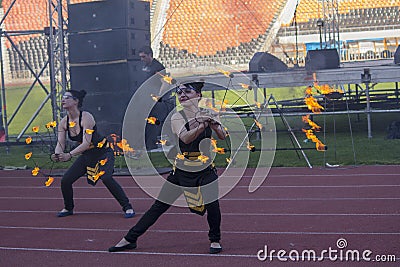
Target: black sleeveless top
96,137
194,145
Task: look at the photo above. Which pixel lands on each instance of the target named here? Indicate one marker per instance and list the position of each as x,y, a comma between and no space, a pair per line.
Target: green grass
377,150
14,96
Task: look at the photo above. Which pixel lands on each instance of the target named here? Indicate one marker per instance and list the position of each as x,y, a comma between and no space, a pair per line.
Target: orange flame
103,162
259,125
309,90
313,105
97,176
180,156
219,150
35,171
51,124
125,146
226,73
35,129
28,155
320,146
203,158
28,140
89,131
49,181
155,97
250,146
167,79
151,120
71,124
245,86
313,125
162,142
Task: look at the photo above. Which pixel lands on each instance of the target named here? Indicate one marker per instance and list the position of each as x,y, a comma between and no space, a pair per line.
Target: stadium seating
204,32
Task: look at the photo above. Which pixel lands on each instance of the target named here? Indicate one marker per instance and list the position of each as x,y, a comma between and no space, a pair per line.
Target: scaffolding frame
57,64
330,10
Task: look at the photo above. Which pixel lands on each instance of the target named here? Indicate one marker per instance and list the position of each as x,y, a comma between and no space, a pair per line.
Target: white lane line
224,213
130,252
339,175
222,199
199,231
237,186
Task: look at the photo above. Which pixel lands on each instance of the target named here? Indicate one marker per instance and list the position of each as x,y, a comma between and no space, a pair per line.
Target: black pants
170,194
78,169
159,111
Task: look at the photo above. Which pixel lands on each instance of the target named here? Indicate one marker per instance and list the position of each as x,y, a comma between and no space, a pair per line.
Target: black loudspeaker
110,14
108,108
109,89
265,62
107,45
397,56
322,59
125,76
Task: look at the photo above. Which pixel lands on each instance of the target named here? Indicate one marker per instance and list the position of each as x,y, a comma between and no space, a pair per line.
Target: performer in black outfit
190,174
96,157
158,87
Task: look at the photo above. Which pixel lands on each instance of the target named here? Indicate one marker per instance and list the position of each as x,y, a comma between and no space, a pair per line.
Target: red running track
296,210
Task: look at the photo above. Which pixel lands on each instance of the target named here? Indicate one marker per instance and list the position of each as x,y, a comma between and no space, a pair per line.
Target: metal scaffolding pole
56,60
57,54
330,9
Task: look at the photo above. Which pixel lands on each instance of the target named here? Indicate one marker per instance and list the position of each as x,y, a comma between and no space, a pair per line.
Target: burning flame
226,73
28,140
203,158
312,104
49,181
167,79
223,104
245,86
125,146
180,156
71,124
28,155
162,142
313,125
217,149
155,97
35,129
35,171
250,147
89,131
151,120
259,125
52,124
97,176
103,162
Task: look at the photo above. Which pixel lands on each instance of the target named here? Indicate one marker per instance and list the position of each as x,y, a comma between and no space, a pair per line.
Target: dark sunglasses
68,97
186,90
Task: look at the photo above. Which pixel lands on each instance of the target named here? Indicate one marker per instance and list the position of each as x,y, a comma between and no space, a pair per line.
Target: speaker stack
104,38
322,59
397,56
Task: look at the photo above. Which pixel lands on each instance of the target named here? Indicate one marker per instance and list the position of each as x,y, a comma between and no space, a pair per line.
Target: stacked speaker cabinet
397,56
104,38
265,62
322,59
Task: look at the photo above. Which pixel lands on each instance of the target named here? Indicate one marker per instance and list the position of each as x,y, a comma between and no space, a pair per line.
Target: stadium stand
208,32
216,31
354,16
